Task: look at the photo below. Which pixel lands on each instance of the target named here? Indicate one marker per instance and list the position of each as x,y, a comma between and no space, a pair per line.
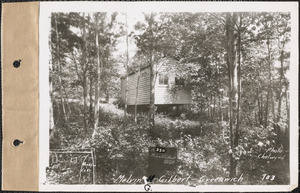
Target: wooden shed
168,89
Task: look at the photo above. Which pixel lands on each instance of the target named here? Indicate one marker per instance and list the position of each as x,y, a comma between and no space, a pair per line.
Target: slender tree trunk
127,71
260,113
66,99
219,93
63,102
270,98
98,76
56,113
287,104
91,99
221,106
214,107
279,96
258,105
137,95
266,111
230,49
262,108
210,107
239,53
51,121
280,85
231,19
256,118
152,77
85,103
84,76
107,94
59,73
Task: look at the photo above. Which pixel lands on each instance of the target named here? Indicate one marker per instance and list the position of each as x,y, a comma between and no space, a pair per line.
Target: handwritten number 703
268,177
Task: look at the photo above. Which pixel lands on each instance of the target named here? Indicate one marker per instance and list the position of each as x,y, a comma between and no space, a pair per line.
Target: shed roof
132,73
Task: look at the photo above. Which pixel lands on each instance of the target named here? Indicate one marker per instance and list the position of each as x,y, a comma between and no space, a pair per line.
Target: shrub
122,148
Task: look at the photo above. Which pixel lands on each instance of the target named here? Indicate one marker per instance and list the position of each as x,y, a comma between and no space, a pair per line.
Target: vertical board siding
144,87
163,93
143,90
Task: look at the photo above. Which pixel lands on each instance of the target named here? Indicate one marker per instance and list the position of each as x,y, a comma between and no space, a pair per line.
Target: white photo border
46,8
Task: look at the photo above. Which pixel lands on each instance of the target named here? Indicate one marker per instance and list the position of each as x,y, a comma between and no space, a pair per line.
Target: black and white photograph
154,98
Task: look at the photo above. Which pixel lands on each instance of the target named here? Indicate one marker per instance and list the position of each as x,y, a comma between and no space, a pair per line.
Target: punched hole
17,63
17,142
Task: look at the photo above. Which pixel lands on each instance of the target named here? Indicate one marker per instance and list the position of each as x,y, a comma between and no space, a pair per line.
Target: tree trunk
84,76
107,94
51,121
258,113
214,107
98,76
231,19
66,99
127,62
91,118
280,84
85,124
152,97
266,110
220,93
221,106
279,96
210,107
260,108
152,78
239,54
59,73
270,92
287,104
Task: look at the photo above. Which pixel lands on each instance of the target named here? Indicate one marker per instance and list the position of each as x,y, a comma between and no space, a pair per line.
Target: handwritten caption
272,154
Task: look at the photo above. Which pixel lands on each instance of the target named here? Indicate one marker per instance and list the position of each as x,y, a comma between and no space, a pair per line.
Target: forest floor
112,109
122,147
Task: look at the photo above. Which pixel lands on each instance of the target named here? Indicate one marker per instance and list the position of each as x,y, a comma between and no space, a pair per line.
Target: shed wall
163,93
